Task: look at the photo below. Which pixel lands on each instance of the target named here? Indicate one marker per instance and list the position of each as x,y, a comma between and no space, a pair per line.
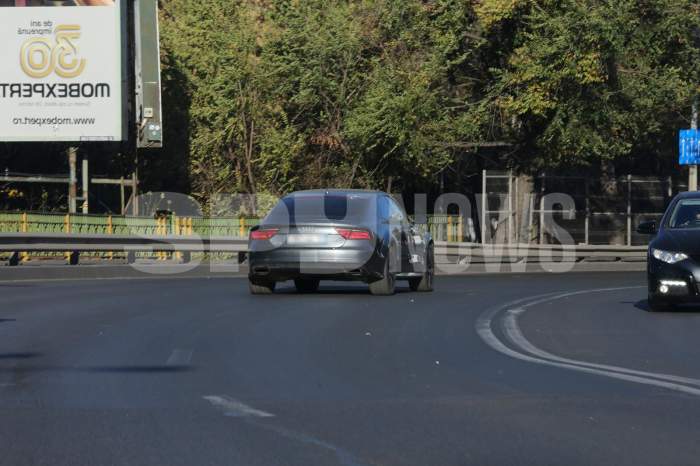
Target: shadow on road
100,369
19,355
643,305
335,290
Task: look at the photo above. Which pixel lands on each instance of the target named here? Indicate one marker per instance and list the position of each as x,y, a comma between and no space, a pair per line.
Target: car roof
336,192
689,195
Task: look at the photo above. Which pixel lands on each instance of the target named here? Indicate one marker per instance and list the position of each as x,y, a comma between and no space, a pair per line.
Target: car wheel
658,305
305,285
387,285
261,287
425,283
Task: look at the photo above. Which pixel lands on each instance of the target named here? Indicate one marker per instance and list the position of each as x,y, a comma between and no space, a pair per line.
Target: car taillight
353,234
263,234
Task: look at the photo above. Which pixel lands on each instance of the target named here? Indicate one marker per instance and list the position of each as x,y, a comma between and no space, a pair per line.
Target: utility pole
693,172
72,180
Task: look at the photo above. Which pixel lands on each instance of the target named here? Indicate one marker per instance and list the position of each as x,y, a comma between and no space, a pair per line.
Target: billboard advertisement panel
60,70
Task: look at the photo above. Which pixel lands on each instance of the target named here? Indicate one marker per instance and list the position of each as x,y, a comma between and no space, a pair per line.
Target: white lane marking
345,458
179,357
485,331
512,330
235,408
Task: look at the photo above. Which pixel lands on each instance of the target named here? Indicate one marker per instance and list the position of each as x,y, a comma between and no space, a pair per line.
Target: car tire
386,286
306,285
658,305
261,287
425,283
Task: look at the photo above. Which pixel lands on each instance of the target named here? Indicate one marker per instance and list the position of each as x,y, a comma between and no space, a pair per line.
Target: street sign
689,147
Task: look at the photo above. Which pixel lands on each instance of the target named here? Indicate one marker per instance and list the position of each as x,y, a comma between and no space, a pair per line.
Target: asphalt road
488,370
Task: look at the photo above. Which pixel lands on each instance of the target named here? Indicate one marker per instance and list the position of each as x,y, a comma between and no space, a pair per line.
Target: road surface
531,369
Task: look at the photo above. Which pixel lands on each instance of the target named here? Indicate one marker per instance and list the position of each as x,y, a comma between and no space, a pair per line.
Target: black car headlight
667,256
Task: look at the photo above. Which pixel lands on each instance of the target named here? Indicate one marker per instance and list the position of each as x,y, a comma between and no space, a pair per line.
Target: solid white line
235,408
179,357
535,355
516,336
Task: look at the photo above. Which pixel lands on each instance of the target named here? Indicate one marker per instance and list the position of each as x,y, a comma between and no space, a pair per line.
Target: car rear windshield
686,214
319,208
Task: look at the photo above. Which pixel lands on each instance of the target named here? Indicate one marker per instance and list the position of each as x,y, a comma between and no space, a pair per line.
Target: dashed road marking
235,408
179,357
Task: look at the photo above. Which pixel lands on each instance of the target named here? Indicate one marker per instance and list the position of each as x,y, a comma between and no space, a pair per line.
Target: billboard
61,70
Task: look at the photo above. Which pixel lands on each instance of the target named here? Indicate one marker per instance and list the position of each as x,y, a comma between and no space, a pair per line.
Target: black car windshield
686,214
347,208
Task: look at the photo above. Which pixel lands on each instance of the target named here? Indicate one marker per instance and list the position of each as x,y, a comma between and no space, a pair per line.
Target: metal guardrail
476,252
17,244
442,227
73,244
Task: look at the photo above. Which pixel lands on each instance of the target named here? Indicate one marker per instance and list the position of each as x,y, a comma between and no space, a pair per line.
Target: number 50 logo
39,57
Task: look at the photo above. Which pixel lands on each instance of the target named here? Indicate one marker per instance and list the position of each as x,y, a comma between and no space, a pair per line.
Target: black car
673,262
317,235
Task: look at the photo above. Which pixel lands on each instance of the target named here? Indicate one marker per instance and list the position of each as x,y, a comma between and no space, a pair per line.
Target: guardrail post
13,261
110,231
67,230
162,255
510,207
484,205
542,191
586,224
24,228
74,258
629,210
177,221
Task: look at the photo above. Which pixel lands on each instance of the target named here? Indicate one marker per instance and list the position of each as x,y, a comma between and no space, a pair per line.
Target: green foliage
275,95
595,80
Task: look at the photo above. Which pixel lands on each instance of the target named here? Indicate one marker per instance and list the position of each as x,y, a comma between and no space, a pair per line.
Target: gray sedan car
317,235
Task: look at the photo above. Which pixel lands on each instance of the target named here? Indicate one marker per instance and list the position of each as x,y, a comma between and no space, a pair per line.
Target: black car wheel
386,286
425,283
261,287
305,285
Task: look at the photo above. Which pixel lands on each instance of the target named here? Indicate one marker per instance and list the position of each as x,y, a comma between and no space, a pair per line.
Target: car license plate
306,239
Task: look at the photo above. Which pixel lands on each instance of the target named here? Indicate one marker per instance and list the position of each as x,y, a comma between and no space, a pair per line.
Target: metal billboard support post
86,180
72,180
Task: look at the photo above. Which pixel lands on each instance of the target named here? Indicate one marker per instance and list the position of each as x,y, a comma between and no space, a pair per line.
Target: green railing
451,228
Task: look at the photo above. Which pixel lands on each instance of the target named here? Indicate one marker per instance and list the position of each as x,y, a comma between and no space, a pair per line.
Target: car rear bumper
674,282
330,264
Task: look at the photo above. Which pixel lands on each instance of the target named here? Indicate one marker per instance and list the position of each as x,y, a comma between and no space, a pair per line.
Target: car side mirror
647,228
